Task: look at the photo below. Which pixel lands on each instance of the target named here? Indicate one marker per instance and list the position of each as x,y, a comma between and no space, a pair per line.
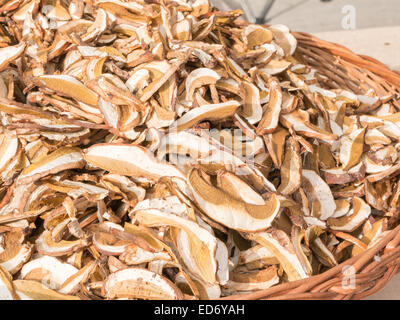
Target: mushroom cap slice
68,86
253,280
291,168
196,242
46,246
48,270
7,291
198,78
129,160
225,209
10,53
351,148
138,283
356,217
33,290
251,109
217,111
318,192
272,109
279,244
59,160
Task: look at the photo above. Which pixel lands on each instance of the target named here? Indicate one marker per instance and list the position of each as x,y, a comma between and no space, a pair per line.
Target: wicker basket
376,266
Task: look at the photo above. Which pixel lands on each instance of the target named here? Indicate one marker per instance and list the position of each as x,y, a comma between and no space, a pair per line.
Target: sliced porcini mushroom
279,244
68,86
323,254
275,143
291,169
223,208
297,237
270,119
299,121
73,283
351,148
7,291
342,208
318,193
237,188
253,280
15,253
33,290
371,235
251,110
340,176
374,136
46,246
59,160
274,67
138,283
206,112
129,160
194,241
354,219
134,255
256,253
10,53
284,38
256,36
48,270
9,145
109,244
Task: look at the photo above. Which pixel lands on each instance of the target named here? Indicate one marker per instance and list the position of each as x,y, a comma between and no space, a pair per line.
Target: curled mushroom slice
10,53
134,255
48,270
195,242
198,78
300,122
279,244
284,38
7,291
256,253
9,145
256,36
323,254
46,246
33,290
319,194
225,209
68,86
253,280
73,283
355,218
351,148
251,110
129,160
291,168
206,112
15,253
138,283
61,159
272,109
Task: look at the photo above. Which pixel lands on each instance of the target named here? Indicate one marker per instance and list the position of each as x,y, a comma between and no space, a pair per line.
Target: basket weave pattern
375,267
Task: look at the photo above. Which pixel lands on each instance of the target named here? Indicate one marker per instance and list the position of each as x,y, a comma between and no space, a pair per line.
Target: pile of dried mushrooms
160,149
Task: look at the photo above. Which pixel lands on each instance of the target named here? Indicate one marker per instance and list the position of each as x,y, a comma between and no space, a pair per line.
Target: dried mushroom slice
351,148
46,246
319,194
7,290
129,160
279,244
198,78
48,270
225,209
15,253
138,283
33,290
354,219
59,160
253,280
291,169
205,112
